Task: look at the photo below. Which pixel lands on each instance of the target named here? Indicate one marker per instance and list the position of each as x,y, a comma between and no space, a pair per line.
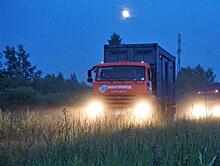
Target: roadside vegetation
35,139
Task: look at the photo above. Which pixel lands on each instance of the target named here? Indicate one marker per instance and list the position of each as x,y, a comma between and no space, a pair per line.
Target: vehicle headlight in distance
94,109
216,111
141,111
199,111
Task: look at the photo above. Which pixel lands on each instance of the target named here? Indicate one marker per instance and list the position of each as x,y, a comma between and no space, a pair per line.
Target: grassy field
34,139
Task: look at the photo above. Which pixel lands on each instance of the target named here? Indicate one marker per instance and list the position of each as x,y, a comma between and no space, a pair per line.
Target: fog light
94,109
141,111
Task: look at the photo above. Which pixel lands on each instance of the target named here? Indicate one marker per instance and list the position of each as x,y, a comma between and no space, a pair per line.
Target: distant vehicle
207,101
140,77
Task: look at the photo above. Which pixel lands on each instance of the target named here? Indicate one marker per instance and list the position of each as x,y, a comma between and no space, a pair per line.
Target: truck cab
122,85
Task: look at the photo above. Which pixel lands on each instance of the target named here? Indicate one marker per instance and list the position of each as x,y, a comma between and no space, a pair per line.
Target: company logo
104,88
120,87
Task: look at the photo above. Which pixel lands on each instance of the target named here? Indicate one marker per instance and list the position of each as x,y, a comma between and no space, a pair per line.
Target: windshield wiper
130,79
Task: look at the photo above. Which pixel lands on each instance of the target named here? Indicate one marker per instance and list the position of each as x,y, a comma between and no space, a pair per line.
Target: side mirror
90,79
89,73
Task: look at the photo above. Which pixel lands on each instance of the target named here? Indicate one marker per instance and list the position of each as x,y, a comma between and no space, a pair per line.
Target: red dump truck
134,79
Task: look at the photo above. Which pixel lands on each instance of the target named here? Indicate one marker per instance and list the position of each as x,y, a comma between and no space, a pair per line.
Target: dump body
162,65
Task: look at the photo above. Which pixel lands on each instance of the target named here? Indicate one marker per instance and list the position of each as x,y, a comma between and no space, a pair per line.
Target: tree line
23,86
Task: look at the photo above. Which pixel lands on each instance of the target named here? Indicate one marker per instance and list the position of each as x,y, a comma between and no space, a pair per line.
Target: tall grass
35,139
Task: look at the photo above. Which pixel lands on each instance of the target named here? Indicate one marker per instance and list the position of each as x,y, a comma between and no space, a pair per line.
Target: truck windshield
121,73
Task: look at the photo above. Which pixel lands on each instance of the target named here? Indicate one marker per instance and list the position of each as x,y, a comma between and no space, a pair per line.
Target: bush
20,97
55,99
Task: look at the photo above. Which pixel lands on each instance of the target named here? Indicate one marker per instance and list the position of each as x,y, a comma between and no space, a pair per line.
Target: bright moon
125,13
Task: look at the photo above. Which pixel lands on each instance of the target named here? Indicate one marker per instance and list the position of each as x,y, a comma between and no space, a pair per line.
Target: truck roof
123,63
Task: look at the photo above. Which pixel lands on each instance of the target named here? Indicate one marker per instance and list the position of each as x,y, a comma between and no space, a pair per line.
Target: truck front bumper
137,110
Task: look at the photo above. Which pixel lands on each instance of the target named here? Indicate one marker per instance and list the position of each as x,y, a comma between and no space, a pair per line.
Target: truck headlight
94,109
216,111
199,111
141,111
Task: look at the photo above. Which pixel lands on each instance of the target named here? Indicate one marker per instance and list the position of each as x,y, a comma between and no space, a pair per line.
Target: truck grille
119,100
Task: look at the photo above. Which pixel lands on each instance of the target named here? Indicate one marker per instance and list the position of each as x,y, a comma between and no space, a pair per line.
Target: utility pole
179,50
